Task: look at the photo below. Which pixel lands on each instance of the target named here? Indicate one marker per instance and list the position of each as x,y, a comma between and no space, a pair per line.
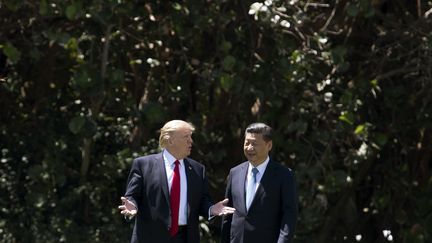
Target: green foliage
85,85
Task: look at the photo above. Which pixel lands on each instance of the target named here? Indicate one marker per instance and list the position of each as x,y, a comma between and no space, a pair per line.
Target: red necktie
175,199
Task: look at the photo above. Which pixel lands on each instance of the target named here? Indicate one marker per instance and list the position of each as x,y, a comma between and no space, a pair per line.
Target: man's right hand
128,209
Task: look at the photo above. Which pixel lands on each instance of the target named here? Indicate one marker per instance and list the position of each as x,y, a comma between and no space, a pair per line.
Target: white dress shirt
169,167
261,169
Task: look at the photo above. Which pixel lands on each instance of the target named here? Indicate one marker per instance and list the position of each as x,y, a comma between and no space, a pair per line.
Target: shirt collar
261,168
169,159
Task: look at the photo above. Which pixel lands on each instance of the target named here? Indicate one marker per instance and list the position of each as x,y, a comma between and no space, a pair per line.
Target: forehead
254,136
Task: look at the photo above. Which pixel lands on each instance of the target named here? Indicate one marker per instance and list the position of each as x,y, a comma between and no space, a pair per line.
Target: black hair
261,128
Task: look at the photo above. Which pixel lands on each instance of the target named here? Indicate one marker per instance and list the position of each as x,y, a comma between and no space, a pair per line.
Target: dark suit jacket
272,215
147,188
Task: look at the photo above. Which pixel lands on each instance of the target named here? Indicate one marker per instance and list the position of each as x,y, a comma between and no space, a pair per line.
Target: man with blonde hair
167,192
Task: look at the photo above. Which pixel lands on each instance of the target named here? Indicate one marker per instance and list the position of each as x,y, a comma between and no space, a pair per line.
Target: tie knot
176,162
254,171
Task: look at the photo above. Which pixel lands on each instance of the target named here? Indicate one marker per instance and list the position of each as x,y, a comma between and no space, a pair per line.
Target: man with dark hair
263,193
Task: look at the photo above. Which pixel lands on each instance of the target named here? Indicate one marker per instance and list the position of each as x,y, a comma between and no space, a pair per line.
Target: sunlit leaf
11,52
347,117
360,129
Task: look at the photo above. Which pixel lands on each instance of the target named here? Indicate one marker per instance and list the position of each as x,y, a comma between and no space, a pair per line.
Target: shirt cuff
210,216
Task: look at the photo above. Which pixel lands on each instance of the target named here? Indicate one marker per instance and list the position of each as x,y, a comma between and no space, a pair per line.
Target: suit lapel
265,180
162,177
240,183
189,181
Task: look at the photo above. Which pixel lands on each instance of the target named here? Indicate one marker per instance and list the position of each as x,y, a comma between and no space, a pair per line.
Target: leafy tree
346,84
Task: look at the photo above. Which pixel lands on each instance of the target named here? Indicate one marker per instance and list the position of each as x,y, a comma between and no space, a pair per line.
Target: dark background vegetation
86,84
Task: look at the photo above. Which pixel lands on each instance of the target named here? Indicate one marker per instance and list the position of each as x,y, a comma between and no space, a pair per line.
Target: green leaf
226,82
228,63
298,126
360,129
374,83
338,54
352,10
71,11
82,79
381,139
89,129
226,46
43,7
35,171
347,117
117,77
370,13
76,124
154,113
339,178
11,52
177,6
13,5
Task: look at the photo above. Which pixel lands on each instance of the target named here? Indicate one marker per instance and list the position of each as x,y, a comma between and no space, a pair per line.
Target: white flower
153,62
268,2
323,40
362,152
254,8
358,237
285,24
275,19
328,97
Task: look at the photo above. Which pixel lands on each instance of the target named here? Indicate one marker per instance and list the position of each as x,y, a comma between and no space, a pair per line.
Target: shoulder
239,167
148,159
194,163
279,168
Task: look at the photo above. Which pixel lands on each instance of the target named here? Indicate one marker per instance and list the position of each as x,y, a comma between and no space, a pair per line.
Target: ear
269,145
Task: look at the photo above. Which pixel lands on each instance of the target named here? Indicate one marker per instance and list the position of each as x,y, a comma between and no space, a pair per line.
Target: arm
206,201
133,191
289,208
226,219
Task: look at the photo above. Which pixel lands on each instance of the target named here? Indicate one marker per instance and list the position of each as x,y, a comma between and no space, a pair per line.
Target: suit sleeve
134,183
226,220
289,208
206,201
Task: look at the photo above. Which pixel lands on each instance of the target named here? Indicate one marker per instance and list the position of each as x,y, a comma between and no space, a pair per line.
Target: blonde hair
167,130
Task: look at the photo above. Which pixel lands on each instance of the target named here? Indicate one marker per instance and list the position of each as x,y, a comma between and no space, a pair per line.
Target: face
255,148
180,143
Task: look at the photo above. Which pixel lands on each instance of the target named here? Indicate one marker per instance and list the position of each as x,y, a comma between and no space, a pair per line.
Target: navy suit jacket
147,188
272,215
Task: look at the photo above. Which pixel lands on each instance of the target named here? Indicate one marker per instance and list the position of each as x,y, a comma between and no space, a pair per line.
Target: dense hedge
85,85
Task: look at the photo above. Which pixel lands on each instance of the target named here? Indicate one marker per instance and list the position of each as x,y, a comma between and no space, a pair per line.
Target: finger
225,201
122,207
